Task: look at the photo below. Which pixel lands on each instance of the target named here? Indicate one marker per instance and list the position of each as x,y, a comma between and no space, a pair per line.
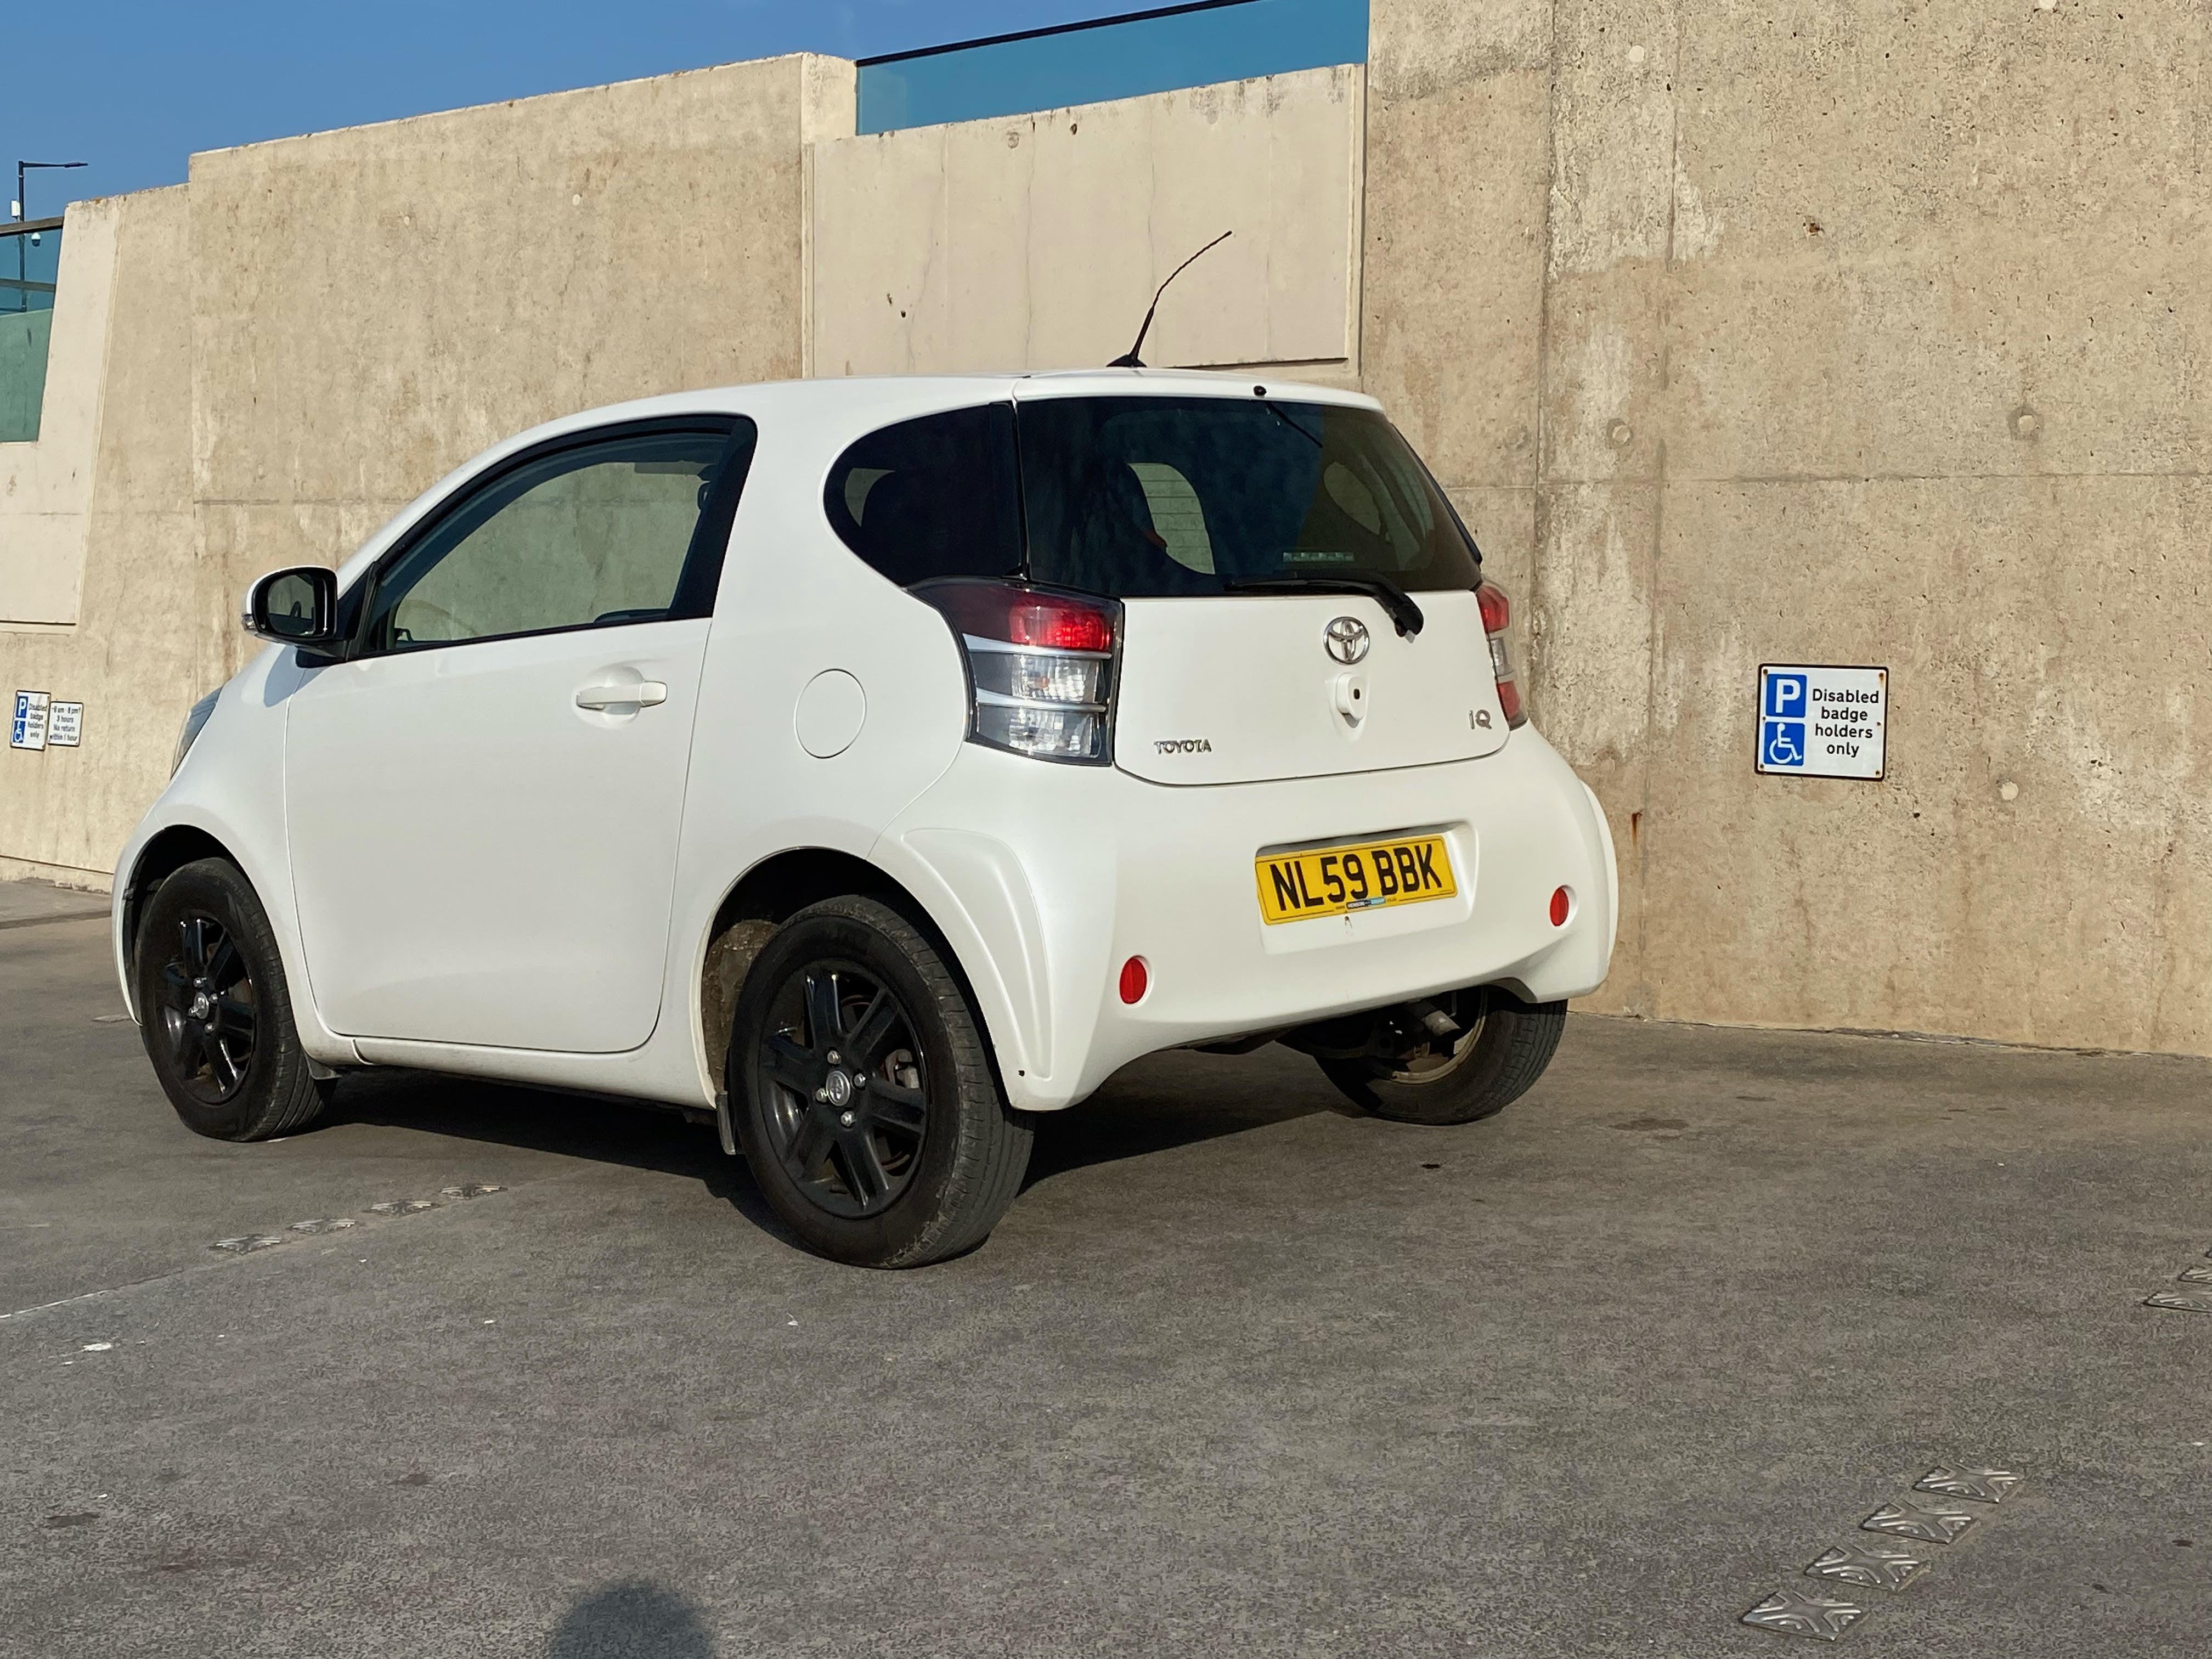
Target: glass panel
23,338
1134,496
595,535
1177,514
28,264
1090,64
292,605
932,497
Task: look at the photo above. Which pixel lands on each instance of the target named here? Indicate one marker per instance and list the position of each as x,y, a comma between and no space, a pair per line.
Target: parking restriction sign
1822,721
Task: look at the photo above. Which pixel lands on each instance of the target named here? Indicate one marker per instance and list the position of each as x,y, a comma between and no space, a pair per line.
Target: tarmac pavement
1239,1375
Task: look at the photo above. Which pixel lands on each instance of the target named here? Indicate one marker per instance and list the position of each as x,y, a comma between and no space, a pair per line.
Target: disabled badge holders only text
1822,721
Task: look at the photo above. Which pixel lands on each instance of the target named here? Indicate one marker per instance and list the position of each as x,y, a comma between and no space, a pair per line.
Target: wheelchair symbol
1782,743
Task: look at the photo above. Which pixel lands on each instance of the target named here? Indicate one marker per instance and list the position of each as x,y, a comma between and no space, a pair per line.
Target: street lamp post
20,214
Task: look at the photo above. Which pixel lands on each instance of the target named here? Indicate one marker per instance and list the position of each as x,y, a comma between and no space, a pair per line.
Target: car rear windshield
1142,496
1137,497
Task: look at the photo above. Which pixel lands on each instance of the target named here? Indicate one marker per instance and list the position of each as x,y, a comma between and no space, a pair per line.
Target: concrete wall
313,331
1036,241
130,655
1860,333
1852,332
46,486
376,305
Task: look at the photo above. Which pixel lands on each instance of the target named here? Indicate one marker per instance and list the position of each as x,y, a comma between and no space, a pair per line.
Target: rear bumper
1046,878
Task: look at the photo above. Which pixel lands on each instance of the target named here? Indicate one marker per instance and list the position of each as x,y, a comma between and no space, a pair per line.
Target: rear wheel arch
772,892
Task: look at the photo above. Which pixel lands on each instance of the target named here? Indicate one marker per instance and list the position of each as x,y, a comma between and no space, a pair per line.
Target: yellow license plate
1358,876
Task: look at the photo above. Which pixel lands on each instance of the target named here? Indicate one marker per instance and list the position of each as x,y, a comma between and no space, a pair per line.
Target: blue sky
135,87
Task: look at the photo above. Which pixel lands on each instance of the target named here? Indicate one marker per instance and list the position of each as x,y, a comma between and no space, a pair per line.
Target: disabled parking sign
1817,721
27,729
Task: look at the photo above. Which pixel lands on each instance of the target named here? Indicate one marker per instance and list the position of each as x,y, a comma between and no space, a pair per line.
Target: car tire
1504,1047
864,1099
214,1011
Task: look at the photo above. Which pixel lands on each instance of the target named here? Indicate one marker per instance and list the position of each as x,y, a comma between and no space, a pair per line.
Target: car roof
1182,383
895,394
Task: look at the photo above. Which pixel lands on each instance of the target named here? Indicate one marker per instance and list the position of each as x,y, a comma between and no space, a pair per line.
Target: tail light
1497,618
1040,668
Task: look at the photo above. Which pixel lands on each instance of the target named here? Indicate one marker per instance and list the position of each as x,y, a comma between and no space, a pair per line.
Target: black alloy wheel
215,1012
845,1088
208,1012
862,1091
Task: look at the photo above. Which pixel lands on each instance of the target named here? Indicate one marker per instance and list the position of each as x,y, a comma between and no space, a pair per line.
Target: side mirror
299,606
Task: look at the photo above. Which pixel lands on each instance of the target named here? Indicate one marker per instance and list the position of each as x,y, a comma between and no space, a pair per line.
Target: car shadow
1155,1105
1175,1099
563,1122
639,1618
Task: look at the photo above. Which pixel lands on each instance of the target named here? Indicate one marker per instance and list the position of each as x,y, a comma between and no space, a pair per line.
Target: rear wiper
1275,410
1397,604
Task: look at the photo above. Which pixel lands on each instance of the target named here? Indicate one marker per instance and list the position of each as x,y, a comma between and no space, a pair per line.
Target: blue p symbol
1786,696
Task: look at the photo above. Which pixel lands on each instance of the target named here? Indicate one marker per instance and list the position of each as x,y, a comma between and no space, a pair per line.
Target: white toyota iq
874,764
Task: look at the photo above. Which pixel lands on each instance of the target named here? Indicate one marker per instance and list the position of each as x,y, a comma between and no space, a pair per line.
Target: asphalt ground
1239,1375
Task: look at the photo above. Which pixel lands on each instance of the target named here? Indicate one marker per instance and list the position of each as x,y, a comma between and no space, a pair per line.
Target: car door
483,798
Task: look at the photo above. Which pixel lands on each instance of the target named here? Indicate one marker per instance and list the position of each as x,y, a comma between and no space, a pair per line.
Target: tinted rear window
932,497
1134,496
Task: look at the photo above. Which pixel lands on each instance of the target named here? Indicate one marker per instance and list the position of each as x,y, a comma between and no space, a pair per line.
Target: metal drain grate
1823,1618
246,1243
2178,1303
1876,1566
1982,1486
1930,1526
1885,1566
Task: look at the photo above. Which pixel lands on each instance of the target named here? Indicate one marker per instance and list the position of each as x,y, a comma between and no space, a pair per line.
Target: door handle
644,693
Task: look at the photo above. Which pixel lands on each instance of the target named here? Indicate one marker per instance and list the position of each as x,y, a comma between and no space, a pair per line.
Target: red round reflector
1134,979
1559,905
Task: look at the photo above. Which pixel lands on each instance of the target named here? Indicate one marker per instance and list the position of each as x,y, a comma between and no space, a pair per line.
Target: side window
1178,516
594,535
932,497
